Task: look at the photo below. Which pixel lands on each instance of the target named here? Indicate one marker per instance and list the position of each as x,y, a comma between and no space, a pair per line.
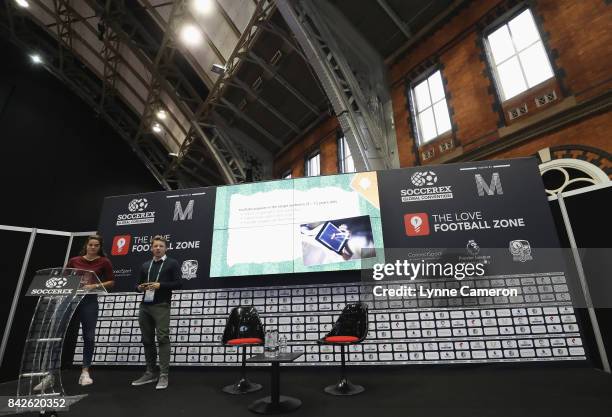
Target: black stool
350,328
243,329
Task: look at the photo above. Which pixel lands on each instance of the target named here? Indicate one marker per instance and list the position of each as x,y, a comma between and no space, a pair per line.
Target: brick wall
578,38
592,131
579,35
322,137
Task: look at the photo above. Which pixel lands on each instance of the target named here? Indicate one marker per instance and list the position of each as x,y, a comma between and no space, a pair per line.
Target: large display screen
300,225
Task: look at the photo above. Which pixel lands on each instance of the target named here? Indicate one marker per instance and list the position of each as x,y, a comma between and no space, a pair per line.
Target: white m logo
493,188
180,214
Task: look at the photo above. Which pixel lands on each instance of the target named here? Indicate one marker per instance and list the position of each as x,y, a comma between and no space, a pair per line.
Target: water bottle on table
274,342
268,350
283,345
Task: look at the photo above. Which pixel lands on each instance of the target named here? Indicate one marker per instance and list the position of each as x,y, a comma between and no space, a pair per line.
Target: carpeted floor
485,391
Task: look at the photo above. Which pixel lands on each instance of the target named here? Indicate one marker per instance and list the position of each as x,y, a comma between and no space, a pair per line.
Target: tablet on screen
332,237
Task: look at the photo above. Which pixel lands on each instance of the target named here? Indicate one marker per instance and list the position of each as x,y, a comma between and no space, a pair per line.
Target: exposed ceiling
389,24
132,61
217,127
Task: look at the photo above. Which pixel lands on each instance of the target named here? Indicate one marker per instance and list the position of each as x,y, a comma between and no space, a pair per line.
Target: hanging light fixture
204,7
191,35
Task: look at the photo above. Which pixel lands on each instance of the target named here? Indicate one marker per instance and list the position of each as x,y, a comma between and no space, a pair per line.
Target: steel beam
168,27
362,117
396,19
64,28
228,19
243,86
226,103
285,37
111,57
251,56
452,8
169,80
206,110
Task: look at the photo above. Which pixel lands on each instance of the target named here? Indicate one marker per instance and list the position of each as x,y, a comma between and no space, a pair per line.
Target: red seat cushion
341,339
245,341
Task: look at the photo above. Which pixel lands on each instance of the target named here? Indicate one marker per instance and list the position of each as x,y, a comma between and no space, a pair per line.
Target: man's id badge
149,295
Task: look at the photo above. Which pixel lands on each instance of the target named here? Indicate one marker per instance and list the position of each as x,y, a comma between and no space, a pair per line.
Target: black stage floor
409,391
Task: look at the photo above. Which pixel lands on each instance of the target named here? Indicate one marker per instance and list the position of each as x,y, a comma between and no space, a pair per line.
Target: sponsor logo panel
58,282
137,214
520,250
493,187
189,269
416,224
121,245
181,214
425,188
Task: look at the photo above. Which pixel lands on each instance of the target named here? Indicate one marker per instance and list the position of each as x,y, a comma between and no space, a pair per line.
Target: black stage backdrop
481,192
184,218
481,209
503,201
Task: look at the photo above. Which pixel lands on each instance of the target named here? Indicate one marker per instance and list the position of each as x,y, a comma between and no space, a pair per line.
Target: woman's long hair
93,237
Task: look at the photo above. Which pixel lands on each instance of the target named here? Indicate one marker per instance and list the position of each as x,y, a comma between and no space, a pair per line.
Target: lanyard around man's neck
158,272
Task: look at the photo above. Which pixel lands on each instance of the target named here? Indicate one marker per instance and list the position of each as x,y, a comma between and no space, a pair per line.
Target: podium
59,290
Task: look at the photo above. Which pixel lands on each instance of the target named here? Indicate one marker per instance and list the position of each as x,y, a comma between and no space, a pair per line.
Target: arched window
569,168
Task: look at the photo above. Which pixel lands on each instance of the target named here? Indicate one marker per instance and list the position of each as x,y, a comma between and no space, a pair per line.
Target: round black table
275,403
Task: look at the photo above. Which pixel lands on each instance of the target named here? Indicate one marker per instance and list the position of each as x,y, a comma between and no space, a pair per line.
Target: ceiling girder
360,123
242,115
111,57
168,27
403,27
204,134
286,37
204,113
169,80
252,57
228,19
243,86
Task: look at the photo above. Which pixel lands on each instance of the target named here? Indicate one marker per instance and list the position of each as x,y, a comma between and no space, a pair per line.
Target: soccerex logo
138,204
423,181
189,269
137,214
58,282
421,178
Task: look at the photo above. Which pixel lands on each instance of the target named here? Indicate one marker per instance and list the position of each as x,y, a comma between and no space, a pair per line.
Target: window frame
341,155
416,123
497,24
310,156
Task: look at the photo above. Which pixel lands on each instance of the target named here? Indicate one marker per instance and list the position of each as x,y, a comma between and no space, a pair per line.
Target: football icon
138,204
422,178
58,282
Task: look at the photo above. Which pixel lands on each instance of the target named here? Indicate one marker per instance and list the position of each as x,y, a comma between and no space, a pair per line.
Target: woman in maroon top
91,258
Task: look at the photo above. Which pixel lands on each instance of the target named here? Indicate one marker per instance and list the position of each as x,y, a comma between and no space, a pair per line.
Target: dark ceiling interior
273,98
372,18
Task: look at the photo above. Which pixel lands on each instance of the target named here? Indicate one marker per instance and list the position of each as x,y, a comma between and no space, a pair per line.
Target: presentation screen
300,225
